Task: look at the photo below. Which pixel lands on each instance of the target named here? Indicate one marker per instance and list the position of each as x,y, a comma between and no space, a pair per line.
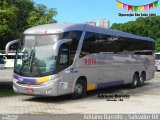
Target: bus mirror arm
59,43
9,44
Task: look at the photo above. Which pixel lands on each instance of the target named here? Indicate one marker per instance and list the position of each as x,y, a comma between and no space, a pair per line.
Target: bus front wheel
135,80
142,79
79,89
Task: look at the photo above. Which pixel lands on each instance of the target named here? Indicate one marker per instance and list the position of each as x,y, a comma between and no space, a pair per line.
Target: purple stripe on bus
110,84
25,79
16,76
29,80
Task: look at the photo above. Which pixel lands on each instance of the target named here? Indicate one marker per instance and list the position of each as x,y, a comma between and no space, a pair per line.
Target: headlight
15,80
157,62
50,82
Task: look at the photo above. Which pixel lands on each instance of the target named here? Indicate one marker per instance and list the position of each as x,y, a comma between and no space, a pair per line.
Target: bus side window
73,45
64,54
89,44
75,36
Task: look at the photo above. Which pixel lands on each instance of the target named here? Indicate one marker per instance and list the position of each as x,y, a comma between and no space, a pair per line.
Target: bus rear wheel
79,89
135,80
142,79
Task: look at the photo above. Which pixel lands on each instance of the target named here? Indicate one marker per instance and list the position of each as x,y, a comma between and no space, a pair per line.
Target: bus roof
58,28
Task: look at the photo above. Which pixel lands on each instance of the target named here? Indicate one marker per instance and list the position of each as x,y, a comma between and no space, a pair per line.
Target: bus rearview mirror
58,44
9,44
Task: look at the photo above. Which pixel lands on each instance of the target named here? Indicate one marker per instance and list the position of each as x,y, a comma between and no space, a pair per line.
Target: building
103,23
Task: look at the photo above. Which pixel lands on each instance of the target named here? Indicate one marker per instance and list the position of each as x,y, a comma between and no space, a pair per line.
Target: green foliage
18,15
158,45
147,27
6,90
40,15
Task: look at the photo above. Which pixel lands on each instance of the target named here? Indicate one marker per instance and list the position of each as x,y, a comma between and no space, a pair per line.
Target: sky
80,11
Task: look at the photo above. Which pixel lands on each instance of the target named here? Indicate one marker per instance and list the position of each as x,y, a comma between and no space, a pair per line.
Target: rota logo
137,8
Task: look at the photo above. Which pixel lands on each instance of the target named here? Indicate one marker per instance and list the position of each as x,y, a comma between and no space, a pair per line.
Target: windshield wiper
33,58
26,61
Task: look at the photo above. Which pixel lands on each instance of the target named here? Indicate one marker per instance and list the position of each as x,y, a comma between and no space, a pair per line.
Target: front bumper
38,90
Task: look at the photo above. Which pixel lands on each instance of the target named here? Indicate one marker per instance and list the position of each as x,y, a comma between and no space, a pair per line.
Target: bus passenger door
64,71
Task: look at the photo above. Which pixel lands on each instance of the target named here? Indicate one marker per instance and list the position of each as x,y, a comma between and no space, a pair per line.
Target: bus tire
80,89
142,79
135,80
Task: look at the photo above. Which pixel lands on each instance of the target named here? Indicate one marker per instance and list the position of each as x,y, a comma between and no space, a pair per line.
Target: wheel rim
78,89
135,82
142,79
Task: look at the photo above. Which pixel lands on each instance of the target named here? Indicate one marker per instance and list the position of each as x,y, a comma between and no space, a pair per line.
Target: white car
157,62
9,59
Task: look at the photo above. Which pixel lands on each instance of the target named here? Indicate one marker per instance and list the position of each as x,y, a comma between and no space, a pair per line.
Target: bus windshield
37,55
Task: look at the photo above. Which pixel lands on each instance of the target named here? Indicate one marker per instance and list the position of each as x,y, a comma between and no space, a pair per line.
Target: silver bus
72,59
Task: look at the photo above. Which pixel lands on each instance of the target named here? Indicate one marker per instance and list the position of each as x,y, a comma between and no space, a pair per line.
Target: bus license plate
29,90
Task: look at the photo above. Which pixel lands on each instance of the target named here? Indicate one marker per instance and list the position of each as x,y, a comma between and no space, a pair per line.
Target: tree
18,15
158,45
147,27
7,21
40,15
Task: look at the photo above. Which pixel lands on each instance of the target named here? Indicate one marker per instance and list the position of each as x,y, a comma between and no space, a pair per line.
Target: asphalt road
142,100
